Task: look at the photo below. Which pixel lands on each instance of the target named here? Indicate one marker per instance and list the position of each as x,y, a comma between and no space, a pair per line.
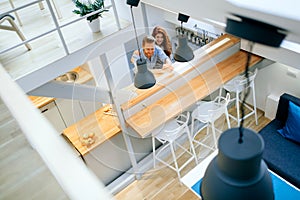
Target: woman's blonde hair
166,43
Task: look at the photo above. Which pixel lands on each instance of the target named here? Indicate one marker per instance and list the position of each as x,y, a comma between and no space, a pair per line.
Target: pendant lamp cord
137,42
181,29
250,46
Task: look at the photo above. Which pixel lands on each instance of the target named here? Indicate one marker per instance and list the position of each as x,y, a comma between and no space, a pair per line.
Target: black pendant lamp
143,79
183,53
238,171
255,31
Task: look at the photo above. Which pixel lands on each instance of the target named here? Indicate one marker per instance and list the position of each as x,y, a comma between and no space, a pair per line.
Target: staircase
23,174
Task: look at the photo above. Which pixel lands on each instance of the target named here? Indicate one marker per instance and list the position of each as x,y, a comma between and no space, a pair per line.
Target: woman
162,40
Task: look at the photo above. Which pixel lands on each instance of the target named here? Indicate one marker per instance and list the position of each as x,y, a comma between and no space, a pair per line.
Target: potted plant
88,6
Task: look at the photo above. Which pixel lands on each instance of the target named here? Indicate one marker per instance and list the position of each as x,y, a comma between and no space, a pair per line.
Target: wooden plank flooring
162,183
23,173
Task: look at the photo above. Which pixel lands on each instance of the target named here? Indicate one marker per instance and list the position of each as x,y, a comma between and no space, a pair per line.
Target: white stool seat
238,85
167,134
234,84
203,112
208,113
170,132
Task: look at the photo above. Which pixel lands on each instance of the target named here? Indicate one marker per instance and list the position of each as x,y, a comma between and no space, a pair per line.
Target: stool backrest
241,83
220,105
182,120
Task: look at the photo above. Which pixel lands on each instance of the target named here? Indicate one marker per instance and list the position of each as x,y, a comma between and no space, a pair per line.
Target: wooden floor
23,174
162,183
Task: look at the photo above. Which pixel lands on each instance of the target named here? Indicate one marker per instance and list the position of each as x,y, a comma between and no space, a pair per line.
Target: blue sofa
282,155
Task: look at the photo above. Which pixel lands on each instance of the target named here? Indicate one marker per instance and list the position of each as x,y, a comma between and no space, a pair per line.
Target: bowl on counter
70,77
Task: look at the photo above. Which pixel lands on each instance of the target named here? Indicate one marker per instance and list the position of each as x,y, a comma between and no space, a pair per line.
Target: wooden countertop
40,102
103,125
84,77
175,102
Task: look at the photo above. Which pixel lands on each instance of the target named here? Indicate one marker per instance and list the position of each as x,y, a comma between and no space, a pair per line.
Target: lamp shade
183,52
255,31
134,3
143,79
238,171
183,17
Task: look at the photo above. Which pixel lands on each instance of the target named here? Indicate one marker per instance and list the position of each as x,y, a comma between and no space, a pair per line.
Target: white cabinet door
89,107
51,112
70,110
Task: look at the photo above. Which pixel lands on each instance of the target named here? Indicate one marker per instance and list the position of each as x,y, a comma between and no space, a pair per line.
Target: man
157,60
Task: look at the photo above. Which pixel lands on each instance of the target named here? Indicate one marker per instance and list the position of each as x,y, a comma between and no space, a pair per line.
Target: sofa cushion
280,154
291,130
283,106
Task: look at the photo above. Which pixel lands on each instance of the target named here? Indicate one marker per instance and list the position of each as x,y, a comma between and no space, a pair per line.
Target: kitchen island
174,92
103,124
213,65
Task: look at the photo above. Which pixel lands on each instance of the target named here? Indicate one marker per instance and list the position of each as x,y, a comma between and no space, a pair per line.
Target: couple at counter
157,51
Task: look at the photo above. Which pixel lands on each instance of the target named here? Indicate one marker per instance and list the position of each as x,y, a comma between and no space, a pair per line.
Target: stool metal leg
227,118
254,103
220,91
192,126
191,144
214,135
174,159
153,149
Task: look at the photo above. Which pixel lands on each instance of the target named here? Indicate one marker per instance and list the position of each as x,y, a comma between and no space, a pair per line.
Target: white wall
156,17
117,62
276,79
119,67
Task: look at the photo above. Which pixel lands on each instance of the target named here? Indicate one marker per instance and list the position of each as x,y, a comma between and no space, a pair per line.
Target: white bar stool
238,85
167,135
208,112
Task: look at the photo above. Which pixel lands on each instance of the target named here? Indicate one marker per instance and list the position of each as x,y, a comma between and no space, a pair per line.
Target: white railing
57,28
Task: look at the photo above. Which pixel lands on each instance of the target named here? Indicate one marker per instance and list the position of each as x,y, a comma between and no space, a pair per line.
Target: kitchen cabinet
74,110
70,110
110,159
51,112
89,107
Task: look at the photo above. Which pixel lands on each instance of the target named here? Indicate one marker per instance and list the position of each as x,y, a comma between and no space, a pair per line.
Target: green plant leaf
84,9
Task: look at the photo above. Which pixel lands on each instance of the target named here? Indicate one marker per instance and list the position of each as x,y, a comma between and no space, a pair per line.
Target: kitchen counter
104,126
40,102
191,89
181,69
84,77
